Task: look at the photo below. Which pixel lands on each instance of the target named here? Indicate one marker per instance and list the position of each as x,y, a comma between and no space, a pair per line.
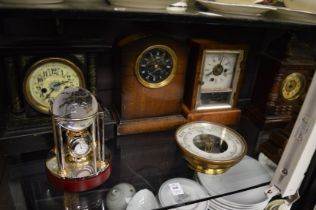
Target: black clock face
155,66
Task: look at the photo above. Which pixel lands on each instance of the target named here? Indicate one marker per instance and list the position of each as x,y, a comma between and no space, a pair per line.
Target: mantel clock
46,78
283,78
213,82
37,78
152,74
282,83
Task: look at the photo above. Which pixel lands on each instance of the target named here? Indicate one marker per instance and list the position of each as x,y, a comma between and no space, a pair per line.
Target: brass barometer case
209,147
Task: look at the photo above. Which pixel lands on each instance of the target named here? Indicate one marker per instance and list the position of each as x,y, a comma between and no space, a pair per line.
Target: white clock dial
218,71
47,78
211,142
79,147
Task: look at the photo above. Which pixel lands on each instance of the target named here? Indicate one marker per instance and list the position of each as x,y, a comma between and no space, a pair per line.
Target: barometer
210,148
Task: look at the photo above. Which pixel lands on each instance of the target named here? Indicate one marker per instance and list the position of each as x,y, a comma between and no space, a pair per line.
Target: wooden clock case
26,128
269,114
268,106
143,109
227,116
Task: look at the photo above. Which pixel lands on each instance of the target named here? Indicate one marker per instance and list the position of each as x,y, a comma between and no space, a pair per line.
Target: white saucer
240,9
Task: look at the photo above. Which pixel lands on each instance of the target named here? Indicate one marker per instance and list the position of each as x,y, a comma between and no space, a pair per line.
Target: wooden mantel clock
282,83
152,74
213,81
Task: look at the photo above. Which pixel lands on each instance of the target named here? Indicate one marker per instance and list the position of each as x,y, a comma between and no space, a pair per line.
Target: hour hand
209,74
48,94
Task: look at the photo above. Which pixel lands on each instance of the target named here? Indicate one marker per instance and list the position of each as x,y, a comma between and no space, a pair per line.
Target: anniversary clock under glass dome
79,160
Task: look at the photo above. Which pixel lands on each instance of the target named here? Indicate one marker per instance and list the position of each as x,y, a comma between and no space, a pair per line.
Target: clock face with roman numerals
47,78
155,66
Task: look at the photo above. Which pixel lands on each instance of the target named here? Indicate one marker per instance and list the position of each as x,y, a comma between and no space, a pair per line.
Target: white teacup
119,196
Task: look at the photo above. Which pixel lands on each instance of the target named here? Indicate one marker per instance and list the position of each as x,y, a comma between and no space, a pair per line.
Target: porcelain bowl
143,200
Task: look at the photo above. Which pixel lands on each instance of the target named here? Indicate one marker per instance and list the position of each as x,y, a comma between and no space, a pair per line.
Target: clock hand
63,82
54,87
48,94
221,60
209,74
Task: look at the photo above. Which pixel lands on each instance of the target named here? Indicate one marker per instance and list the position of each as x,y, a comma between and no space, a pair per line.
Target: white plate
296,15
32,1
180,190
227,206
240,9
247,173
146,4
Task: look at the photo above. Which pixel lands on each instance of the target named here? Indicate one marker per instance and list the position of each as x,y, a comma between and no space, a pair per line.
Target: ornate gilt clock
152,74
213,82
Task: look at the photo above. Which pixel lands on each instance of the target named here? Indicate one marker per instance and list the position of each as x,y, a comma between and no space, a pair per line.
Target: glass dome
75,107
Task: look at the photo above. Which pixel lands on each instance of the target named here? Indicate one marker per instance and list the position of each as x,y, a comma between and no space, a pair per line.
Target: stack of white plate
247,173
144,4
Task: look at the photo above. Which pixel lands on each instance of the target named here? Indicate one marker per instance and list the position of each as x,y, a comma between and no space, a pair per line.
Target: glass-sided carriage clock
80,159
214,81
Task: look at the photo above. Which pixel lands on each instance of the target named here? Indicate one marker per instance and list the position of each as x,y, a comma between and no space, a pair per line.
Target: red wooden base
79,184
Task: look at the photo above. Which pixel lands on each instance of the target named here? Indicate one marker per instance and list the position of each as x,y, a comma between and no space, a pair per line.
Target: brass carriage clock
80,160
213,81
152,74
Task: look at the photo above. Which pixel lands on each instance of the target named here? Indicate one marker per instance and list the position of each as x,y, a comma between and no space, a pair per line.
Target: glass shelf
144,160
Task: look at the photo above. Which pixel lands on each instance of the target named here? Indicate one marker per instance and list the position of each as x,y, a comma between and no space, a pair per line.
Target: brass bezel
26,83
165,81
288,77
